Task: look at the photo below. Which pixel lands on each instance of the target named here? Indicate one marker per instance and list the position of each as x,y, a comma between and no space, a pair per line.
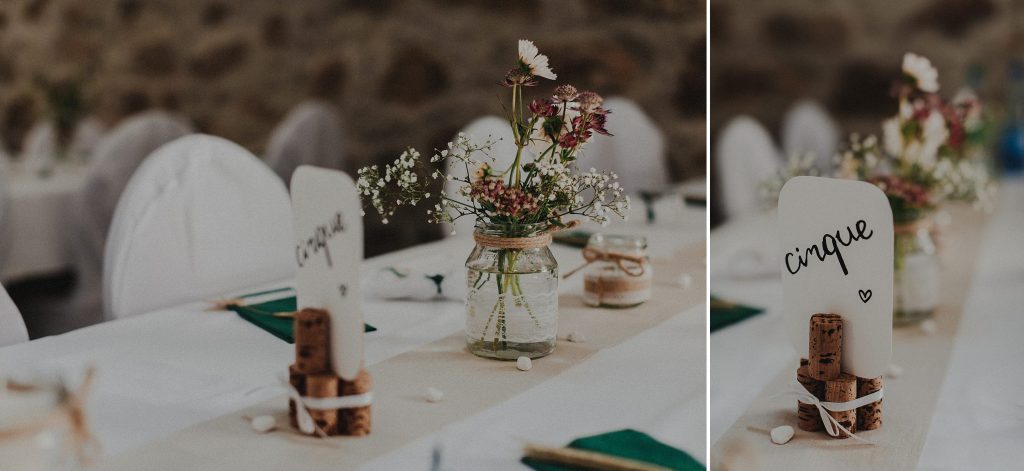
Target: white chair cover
88,134
114,160
807,127
200,218
39,151
636,151
311,134
503,152
745,157
12,326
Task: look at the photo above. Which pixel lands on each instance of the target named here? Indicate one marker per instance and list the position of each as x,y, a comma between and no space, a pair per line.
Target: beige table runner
400,414
909,400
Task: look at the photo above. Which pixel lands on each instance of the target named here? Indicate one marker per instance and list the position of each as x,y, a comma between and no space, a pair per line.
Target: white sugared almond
263,423
433,395
576,337
894,371
524,363
782,434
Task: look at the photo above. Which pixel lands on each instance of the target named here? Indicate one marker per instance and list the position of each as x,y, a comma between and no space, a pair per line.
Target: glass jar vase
512,292
916,273
619,274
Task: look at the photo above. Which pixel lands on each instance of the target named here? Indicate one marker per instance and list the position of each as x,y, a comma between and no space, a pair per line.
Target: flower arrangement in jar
512,299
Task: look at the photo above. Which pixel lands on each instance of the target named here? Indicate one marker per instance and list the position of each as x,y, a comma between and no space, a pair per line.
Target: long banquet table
958,402
173,385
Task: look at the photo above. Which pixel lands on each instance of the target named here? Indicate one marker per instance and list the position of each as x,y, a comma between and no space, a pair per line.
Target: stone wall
404,72
766,54
847,54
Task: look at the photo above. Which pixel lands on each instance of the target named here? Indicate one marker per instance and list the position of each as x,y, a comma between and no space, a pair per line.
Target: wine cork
869,417
825,346
298,381
312,341
808,417
843,389
355,421
323,385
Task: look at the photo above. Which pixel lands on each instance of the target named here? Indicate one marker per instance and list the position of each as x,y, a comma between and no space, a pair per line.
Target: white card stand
836,246
329,249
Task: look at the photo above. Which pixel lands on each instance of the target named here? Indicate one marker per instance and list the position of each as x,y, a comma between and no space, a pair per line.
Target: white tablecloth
163,371
979,419
35,221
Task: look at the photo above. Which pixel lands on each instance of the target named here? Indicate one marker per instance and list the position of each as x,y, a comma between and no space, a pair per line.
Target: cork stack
312,376
821,375
806,414
869,417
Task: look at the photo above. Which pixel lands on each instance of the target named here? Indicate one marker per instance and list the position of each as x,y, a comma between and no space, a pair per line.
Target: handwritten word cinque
318,240
830,245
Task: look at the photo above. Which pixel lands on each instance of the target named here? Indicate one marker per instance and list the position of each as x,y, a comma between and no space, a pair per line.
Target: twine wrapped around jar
519,243
592,255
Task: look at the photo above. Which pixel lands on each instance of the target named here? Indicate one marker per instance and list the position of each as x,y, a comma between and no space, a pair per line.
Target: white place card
329,249
836,247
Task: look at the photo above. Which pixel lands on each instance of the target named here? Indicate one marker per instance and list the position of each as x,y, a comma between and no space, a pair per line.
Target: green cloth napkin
629,444
262,315
725,313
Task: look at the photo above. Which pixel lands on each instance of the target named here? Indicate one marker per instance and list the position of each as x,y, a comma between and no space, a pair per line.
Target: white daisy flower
530,57
917,67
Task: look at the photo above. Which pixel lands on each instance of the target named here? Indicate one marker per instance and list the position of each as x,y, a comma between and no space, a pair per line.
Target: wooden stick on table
587,459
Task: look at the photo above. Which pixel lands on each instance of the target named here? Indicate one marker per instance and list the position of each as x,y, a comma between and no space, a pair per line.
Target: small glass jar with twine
618,273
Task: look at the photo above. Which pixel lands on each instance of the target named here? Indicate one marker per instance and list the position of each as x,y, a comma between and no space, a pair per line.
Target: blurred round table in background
34,222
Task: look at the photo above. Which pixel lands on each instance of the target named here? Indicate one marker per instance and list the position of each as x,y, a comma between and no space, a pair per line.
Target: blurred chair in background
200,218
745,156
39,150
503,152
808,128
88,134
636,151
311,134
116,158
12,326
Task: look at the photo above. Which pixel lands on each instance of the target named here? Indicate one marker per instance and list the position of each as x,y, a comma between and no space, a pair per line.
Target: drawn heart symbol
865,295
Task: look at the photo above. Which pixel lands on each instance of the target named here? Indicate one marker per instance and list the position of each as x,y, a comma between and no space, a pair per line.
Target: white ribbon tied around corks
303,404
832,426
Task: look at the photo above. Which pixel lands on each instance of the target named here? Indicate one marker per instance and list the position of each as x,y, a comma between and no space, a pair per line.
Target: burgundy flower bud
543,107
568,140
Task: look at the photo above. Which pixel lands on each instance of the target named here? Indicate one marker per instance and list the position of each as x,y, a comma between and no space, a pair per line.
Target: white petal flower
534,60
921,70
935,135
892,136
